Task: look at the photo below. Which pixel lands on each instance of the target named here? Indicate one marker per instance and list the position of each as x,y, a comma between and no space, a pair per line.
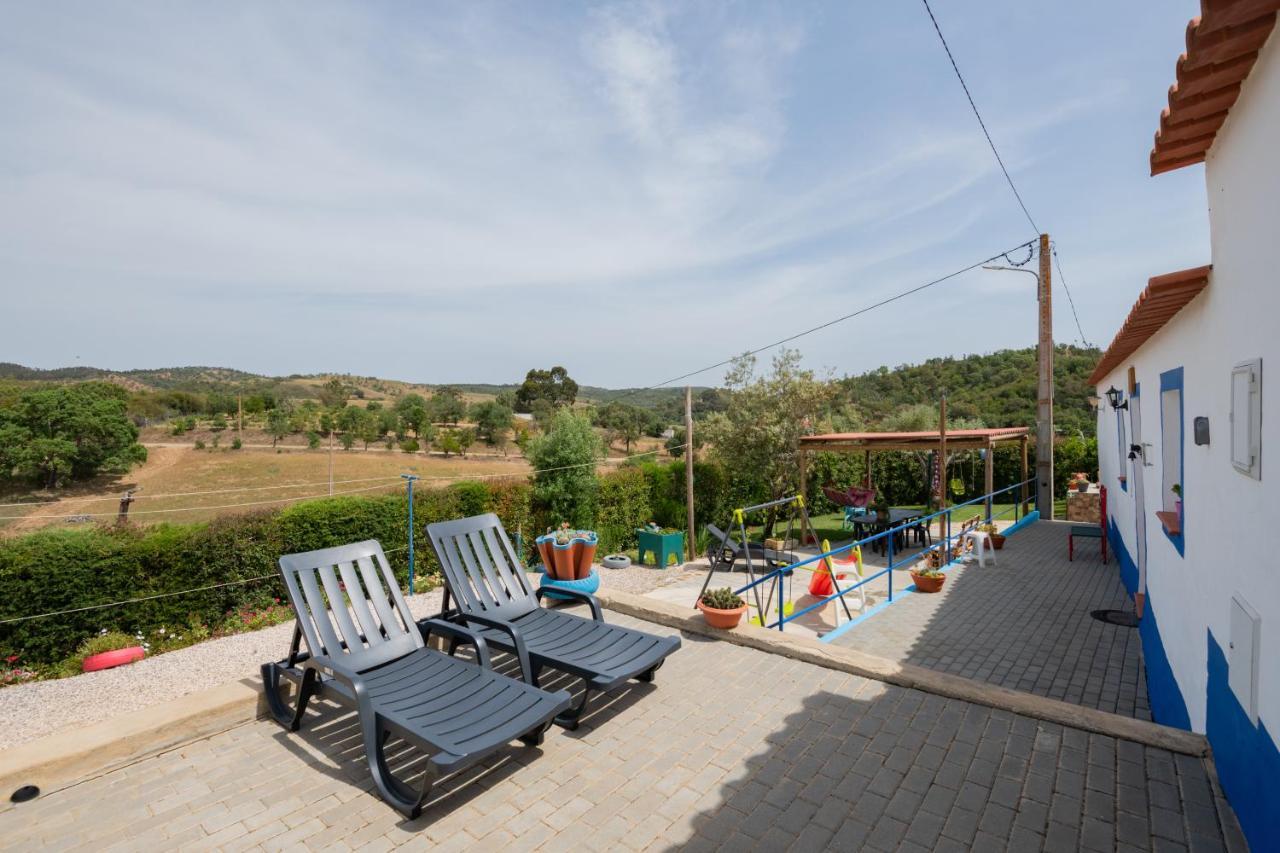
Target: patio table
873,521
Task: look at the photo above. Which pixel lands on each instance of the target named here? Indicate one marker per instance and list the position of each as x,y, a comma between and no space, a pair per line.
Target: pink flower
12,659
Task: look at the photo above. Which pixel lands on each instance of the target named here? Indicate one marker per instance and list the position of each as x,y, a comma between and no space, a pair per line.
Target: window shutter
1246,418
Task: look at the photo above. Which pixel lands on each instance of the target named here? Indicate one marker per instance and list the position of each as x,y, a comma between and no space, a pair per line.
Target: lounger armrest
522,651
583,597
325,665
460,634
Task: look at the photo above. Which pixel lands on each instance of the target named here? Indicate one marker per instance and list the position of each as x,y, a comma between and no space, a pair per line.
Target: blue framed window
1173,487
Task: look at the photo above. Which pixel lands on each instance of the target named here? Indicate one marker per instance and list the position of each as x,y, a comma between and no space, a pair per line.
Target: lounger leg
569,719
401,796
535,737
647,675
290,718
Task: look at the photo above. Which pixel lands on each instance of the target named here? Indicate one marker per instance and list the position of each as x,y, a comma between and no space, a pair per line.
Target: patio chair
458,710
484,576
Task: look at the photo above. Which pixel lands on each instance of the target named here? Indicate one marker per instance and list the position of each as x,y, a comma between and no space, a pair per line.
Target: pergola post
1022,496
866,469
989,481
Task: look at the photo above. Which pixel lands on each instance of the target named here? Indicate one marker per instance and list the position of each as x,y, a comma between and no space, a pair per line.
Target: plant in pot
722,608
1080,481
927,575
997,538
566,553
1176,488
107,650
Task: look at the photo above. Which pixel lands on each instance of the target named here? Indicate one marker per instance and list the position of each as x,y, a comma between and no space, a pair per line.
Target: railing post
889,552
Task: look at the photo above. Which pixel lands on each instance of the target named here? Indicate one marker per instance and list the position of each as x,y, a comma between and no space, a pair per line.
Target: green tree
553,386
412,410
493,421
447,405
624,423
563,457
466,438
68,431
758,436
277,425
217,423
449,442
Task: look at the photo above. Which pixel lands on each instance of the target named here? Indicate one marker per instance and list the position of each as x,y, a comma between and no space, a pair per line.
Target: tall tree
447,405
565,480
553,386
493,421
412,409
68,431
757,438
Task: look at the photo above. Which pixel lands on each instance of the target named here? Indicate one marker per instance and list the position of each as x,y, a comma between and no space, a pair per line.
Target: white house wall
1231,522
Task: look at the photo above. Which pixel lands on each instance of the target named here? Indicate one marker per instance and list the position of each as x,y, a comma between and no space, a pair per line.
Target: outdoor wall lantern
1113,397
1135,450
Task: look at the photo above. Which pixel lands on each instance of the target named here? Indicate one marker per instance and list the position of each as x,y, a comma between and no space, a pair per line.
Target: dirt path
159,460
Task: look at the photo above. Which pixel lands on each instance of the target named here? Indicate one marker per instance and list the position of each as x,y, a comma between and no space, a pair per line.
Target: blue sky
459,192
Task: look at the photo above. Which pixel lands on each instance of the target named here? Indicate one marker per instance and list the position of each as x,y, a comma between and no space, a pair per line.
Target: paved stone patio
1023,623
732,749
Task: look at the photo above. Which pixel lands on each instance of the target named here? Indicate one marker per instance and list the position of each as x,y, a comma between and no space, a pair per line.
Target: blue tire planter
589,584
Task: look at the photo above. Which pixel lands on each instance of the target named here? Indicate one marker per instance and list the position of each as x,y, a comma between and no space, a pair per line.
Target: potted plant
997,538
722,608
1080,481
928,576
566,553
107,650
1176,488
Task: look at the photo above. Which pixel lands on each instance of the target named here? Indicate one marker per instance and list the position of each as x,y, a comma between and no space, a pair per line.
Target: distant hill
998,387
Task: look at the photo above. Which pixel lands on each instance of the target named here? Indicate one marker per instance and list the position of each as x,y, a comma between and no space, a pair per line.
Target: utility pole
690,543
1044,396
331,462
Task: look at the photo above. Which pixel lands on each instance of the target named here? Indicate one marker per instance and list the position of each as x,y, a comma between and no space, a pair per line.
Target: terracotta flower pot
928,584
997,540
584,555
718,618
544,551
106,660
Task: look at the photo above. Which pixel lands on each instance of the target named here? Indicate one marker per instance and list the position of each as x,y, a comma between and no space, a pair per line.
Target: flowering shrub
249,619
11,673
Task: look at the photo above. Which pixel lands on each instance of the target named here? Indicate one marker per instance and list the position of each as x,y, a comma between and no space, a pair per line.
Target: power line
133,600
830,323
1000,161
1053,249
981,123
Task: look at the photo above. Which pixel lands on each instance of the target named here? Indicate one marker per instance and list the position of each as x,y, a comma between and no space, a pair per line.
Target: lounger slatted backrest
482,569
359,581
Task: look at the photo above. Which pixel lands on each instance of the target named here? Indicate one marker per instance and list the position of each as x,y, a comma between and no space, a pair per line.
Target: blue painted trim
836,632
1168,707
1247,760
1171,380
1029,518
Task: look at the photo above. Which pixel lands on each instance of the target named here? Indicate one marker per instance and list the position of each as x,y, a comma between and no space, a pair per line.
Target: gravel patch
38,708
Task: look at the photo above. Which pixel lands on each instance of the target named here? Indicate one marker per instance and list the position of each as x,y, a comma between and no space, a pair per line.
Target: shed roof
959,438
1222,45
1164,296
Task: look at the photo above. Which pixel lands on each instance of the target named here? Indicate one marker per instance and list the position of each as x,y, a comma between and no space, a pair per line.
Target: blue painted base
1030,518
589,584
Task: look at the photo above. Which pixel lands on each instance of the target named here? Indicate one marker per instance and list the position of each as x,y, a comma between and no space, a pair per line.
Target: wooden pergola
958,439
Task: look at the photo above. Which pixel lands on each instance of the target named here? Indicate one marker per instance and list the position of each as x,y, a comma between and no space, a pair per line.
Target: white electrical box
1242,655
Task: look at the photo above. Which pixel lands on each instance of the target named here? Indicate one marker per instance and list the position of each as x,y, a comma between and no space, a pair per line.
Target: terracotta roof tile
1163,298
1222,45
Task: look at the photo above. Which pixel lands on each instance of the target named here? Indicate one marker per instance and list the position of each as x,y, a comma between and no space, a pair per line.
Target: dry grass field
262,477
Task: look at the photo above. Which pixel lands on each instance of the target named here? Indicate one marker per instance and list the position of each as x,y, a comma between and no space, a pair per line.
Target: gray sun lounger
485,577
457,710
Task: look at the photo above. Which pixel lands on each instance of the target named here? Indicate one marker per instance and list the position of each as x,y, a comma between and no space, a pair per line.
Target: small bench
1085,531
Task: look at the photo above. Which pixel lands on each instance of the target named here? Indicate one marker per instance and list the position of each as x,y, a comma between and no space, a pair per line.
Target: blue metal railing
891,533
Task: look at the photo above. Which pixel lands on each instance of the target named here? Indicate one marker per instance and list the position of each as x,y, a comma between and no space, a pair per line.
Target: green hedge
59,570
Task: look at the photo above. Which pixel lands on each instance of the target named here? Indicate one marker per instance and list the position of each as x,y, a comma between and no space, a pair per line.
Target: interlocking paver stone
1022,624
664,768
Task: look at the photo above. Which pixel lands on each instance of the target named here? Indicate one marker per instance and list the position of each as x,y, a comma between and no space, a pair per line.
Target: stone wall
1085,506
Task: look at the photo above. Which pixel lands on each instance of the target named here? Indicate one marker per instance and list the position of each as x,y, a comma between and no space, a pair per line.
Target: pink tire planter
119,657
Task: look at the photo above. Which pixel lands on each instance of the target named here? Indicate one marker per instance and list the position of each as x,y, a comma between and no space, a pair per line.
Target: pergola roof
958,439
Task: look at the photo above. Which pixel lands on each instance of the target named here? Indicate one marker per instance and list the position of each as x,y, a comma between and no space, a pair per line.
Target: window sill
1172,524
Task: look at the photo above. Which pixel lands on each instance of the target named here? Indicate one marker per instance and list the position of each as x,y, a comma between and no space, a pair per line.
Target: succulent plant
722,599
